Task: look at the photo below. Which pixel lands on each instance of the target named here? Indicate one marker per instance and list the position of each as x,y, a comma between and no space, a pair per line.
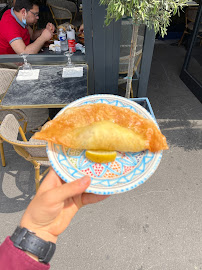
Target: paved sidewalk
154,227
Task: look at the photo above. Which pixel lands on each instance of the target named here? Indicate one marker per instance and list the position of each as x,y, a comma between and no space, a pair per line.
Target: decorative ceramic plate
128,171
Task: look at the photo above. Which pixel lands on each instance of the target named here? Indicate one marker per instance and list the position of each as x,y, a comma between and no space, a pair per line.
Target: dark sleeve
12,258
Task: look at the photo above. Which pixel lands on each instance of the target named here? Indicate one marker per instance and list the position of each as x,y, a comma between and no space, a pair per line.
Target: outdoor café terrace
156,226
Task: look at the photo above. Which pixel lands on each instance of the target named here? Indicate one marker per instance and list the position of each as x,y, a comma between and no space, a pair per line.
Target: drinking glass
26,65
69,53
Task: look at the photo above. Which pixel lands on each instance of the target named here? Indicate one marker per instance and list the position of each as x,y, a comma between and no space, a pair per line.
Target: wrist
46,236
34,257
34,246
42,39
43,234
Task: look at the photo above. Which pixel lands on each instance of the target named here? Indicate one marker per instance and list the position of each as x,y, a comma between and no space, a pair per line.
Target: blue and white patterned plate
127,172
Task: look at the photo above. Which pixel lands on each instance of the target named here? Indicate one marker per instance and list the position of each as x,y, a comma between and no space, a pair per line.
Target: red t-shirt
11,28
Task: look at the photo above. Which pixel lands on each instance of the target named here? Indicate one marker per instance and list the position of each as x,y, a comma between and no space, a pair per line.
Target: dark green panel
102,48
147,54
99,49
88,26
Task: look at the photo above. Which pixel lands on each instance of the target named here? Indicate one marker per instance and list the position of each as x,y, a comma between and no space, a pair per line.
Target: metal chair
6,76
62,10
33,151
30,119
190,16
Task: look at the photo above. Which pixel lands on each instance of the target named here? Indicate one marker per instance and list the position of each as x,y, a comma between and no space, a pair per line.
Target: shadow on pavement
16,191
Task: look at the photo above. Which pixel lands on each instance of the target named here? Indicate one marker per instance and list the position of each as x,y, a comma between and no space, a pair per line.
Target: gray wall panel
102,48
87,18
149,40
99,46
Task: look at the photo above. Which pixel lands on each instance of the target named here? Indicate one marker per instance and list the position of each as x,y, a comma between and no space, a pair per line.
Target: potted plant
153,13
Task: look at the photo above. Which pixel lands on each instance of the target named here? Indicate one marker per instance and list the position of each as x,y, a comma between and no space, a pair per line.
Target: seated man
15,31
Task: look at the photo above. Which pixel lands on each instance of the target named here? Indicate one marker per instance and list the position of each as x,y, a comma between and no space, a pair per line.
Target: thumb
71,189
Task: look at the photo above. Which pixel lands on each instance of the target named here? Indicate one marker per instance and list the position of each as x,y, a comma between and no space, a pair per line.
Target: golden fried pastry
103,127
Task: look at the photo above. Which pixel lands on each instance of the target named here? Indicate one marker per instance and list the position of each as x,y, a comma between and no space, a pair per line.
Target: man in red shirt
15,30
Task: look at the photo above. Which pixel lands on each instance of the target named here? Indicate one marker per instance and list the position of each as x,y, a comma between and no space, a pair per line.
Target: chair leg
37,176
2,153
24,127
179,43
75,16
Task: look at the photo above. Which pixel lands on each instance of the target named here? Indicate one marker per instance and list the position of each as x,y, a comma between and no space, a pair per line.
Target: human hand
55,204
46,35
81,28
50,27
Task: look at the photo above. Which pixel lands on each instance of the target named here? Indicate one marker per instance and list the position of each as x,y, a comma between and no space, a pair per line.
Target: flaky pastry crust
103,127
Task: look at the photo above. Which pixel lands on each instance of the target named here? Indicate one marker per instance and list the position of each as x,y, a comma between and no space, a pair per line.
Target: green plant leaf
153,13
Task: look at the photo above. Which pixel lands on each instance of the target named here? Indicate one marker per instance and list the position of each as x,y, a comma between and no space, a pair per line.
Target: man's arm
35,34
19,46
